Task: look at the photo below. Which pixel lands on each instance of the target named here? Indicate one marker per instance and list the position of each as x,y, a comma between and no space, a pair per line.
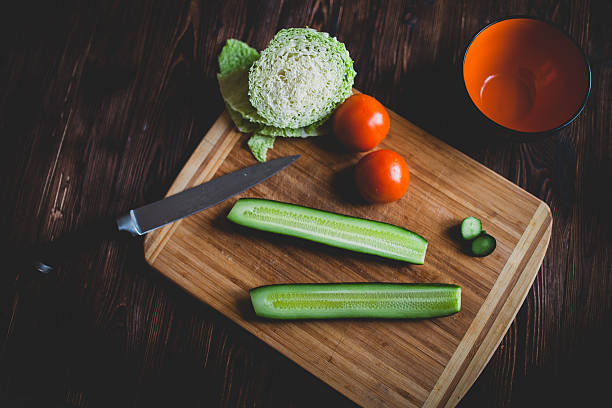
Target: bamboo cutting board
375,363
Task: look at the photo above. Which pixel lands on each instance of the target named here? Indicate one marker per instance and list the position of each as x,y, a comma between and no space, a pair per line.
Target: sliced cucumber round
356,300
342,231
483,245
471,227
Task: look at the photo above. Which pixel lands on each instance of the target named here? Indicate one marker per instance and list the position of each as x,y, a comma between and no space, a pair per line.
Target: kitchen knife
155,215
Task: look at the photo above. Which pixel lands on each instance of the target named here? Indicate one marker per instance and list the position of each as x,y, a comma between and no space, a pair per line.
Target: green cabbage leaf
235,61
259,145
236,56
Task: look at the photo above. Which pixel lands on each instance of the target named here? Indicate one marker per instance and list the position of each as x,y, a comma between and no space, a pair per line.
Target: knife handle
46,257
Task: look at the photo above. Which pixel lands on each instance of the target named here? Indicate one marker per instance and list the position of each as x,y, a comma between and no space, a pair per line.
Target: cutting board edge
201,166
503,322
464,366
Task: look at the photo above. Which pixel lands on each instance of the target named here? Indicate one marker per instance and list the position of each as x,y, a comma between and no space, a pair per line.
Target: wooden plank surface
375,363
101,105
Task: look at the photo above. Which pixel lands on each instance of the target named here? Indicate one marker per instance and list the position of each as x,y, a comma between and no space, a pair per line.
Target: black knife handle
46,257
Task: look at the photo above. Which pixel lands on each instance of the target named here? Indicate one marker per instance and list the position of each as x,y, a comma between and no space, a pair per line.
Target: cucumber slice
356,300
483,245
471,227
332,229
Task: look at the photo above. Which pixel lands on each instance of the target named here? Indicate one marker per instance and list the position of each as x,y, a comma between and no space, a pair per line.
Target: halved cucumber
328,228
356,300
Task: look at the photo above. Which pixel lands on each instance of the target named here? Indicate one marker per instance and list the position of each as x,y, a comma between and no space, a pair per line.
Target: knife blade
167,210
45,257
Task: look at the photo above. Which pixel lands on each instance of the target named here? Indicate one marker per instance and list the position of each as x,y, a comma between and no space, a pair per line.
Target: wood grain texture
398,363
101,105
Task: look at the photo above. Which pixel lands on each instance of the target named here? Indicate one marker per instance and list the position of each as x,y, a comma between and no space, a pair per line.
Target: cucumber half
328,228
356,300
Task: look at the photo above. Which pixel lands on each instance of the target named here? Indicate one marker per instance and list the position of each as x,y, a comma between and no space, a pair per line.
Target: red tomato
361,122
382,176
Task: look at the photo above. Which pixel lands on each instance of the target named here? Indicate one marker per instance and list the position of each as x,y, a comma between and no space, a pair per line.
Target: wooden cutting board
375,363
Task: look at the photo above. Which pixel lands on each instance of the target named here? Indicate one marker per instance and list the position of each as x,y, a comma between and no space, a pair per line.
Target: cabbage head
300,78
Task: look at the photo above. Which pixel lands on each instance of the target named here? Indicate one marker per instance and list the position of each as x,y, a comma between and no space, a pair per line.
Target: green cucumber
483,245
471,227
356,300
332,229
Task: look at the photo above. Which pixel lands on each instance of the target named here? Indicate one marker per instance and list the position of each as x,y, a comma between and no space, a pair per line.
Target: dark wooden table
102,103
